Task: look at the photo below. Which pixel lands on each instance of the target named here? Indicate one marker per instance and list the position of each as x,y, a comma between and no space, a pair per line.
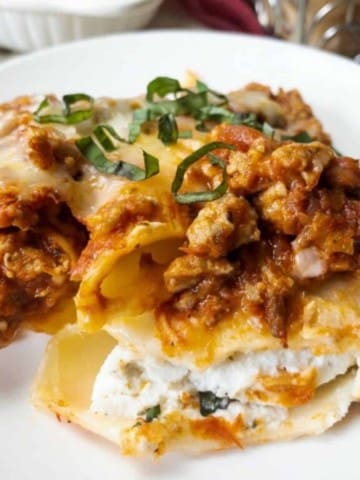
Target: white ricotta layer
127,384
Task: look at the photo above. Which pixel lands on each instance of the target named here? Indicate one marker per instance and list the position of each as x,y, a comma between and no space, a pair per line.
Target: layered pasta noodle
207,249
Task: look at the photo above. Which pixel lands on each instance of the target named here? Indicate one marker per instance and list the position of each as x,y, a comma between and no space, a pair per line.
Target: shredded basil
168,130
103,135
214,113
43,104
140,116
209,403
162,86
302,137
220,114
206,196
203,104
152,413
186,102
221,99
69,115
201,86
248,119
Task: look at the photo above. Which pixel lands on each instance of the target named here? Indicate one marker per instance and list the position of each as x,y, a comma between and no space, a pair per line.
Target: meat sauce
37,253
290,217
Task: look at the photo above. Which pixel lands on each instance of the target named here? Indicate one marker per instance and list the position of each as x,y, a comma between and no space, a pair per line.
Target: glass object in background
330,24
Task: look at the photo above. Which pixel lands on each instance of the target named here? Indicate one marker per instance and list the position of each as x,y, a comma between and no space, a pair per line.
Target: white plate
34,445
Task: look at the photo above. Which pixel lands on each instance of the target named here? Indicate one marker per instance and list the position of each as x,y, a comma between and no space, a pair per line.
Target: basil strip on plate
248,119
186,105
168,129
105,135
140,116
162,86
69,116
201,87
182,168
209,403
302,137
188,102
215,113
95,155
50,118
151,413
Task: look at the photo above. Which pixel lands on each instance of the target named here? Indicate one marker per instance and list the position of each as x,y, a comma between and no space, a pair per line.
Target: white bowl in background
32,24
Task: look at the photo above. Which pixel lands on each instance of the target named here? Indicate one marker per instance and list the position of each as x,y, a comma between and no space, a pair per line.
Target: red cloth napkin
234,15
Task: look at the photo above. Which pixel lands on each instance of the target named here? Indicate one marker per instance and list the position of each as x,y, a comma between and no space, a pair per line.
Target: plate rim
261,39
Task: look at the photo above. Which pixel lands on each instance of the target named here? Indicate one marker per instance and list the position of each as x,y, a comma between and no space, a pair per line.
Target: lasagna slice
218,292
58,210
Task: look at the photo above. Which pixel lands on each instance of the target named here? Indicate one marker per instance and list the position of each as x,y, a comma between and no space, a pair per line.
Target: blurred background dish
333,25
33,24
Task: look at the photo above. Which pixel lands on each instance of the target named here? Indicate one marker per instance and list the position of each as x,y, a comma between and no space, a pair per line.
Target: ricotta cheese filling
129,385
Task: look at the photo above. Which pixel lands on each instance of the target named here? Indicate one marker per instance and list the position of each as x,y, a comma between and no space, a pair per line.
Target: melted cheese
16,165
